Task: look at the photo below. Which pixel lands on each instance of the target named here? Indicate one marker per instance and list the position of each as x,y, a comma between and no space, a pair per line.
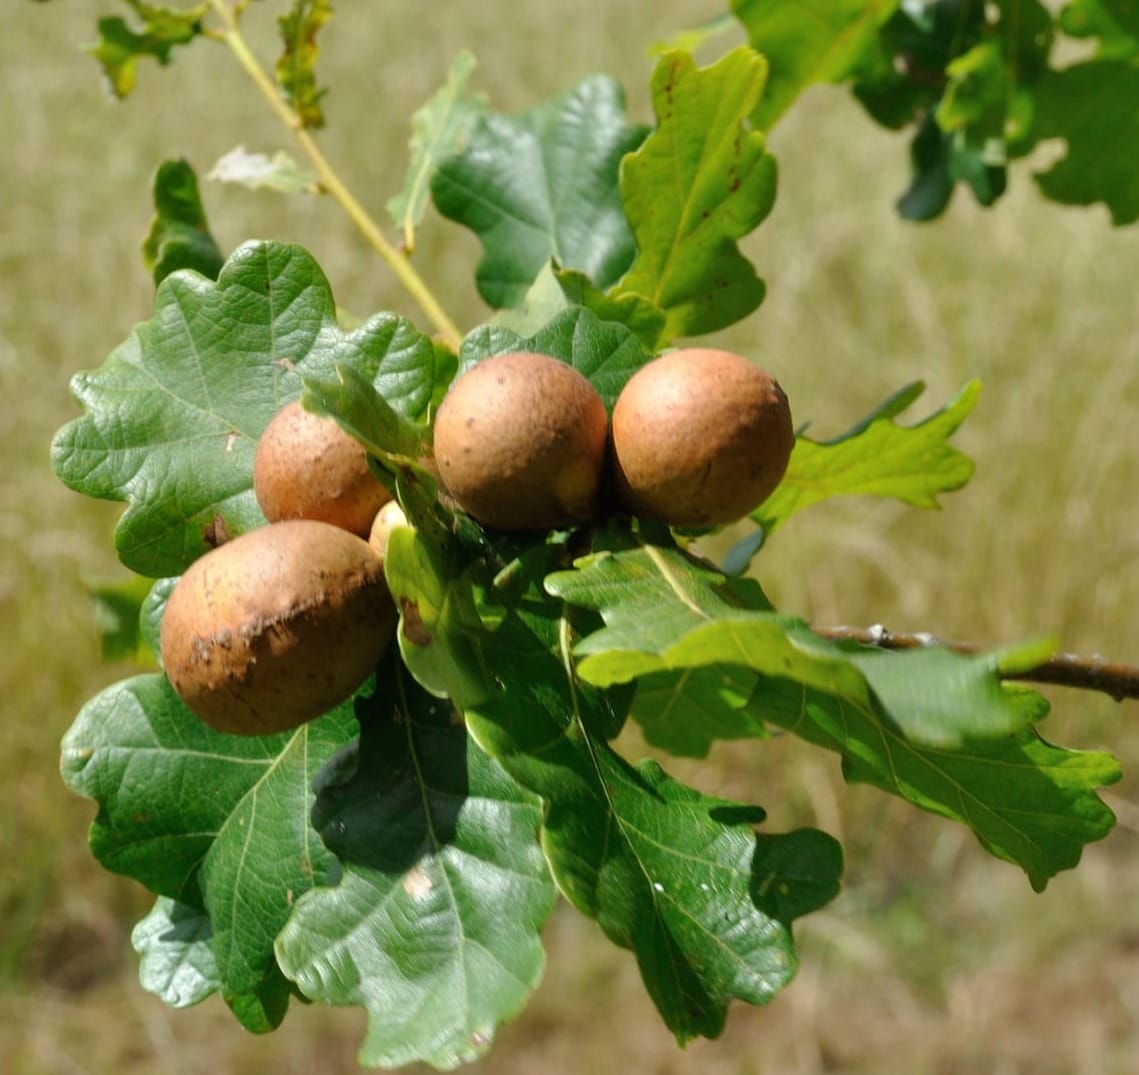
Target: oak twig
1118,681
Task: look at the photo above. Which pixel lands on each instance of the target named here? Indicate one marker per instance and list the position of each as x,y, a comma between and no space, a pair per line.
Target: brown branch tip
1118,681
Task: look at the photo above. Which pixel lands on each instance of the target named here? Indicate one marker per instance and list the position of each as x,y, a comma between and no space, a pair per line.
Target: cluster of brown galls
285,622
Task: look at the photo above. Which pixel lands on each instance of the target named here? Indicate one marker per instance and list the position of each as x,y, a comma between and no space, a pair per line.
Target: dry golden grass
935,959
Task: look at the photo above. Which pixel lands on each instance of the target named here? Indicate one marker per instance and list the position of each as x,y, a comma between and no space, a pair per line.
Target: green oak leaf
220,823
701,181
680,878
174,413
296,74
686,710
1090,106
918,43
176,962
943,717
663,612
606,352
353,401
440,129
179,236
434,925
157,32
877,457
542,185
1114,22
810,41
1027,801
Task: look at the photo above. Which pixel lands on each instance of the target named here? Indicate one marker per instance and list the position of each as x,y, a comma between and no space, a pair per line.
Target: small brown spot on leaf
413,628
215,532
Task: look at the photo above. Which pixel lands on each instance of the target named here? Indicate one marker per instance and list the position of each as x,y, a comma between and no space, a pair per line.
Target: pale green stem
330,181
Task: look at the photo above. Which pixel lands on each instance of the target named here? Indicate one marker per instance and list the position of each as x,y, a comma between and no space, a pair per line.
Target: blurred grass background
936,958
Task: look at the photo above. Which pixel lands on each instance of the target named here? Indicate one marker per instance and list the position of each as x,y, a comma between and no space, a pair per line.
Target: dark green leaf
1114,22
665,612
150,614
542,185
1028,802
433,927
686,710
440,129
179,236
606,352
701,181
1091,106
296,65
176,961
216,822
644,319
809,41
676,876
175,412
157,32
935,727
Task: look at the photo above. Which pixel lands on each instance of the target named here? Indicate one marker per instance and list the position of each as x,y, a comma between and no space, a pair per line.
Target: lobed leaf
174,413
679,878
877,457
701,181
1027,801
440,129
218,823
179,235
1090,105
810,41
936,727
157,32
542,185
176,962
434,925
686,710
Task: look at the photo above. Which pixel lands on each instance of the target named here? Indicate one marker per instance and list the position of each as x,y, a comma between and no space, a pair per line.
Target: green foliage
975,81
179,236
440,129
402,852
176,962
543,185
220,823
809,41
156,33
700,182
678,877
296,64
937,728
174,414
606,352
433,927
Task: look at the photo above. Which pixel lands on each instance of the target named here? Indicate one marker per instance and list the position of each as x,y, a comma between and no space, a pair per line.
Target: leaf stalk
330,181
